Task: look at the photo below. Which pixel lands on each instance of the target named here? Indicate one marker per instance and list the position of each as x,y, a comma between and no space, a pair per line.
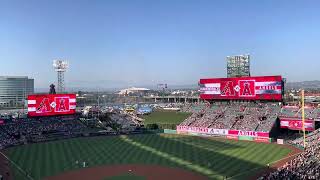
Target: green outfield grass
126,177
165,117
213,158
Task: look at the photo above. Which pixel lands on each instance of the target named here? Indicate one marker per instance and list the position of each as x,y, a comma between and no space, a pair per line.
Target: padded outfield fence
225,133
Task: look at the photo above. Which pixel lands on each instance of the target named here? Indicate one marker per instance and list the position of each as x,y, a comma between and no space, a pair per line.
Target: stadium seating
238,116
304,166
125,120
21,130
296,112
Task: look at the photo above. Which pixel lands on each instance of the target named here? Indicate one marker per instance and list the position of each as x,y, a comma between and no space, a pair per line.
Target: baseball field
165,119
139,156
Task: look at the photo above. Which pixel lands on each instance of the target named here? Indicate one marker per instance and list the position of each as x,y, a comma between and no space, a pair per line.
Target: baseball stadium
239,127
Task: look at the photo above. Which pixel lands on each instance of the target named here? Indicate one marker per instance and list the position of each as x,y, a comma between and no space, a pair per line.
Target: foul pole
303,119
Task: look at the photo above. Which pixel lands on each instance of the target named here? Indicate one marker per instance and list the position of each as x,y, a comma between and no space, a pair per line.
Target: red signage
248,133
247,88
296,124
51,104
1,122
264,140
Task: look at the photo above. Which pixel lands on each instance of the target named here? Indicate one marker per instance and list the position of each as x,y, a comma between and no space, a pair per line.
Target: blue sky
136,42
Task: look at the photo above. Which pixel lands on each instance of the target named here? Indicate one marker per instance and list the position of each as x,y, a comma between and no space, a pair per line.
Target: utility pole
303,119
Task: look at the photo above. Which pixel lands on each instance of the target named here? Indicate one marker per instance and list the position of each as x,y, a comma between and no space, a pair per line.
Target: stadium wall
225,133
169,131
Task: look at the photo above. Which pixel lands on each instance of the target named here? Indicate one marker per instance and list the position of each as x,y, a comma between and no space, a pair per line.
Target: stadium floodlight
60,66
238,66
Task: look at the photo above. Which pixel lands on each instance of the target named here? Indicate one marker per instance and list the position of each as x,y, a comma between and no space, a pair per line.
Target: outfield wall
226,133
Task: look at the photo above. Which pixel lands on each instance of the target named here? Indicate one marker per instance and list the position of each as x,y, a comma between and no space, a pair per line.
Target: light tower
60,67
238,66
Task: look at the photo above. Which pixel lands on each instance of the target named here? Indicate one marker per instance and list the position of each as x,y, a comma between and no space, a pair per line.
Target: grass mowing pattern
165,117
220,156
126,177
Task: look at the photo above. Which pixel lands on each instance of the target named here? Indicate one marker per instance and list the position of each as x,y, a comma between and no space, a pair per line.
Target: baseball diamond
212,158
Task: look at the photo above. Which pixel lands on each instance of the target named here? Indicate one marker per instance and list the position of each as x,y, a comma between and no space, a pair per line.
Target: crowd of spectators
257,117
125,120
238,115
22,130
296,112
304,166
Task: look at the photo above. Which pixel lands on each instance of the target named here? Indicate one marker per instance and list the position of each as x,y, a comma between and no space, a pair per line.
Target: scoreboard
242,88
51,104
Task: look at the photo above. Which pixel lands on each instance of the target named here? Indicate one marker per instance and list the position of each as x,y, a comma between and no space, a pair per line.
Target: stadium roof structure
132,90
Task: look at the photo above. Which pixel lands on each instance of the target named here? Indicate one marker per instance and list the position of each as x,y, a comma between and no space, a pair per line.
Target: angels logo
44,106
62,104
227,88
247,88
295,124
51,104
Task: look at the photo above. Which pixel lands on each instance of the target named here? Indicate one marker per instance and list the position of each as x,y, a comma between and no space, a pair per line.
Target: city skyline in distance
120,44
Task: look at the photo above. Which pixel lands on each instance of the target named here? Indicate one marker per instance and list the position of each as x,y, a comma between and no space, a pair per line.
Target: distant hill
289,85
304,84
105,89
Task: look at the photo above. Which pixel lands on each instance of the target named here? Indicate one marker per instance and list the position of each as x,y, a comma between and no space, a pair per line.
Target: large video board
242,88
51,104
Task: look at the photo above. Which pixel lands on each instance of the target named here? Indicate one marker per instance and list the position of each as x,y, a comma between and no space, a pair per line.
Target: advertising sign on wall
296,124
248,133
209,131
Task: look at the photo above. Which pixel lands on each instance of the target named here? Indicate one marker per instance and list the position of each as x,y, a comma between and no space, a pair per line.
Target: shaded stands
39,129
304,166
28,130
126,121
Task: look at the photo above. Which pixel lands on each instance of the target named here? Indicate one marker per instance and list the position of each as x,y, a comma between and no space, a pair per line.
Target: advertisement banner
169,131
246,138
247,88
296,124
232,137
280,141
264,140
229,134
191,129
222,132
209,131
51,104
248,133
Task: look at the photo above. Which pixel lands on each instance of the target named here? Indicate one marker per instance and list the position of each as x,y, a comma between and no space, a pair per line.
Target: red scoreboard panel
51,104
297,124
242,88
